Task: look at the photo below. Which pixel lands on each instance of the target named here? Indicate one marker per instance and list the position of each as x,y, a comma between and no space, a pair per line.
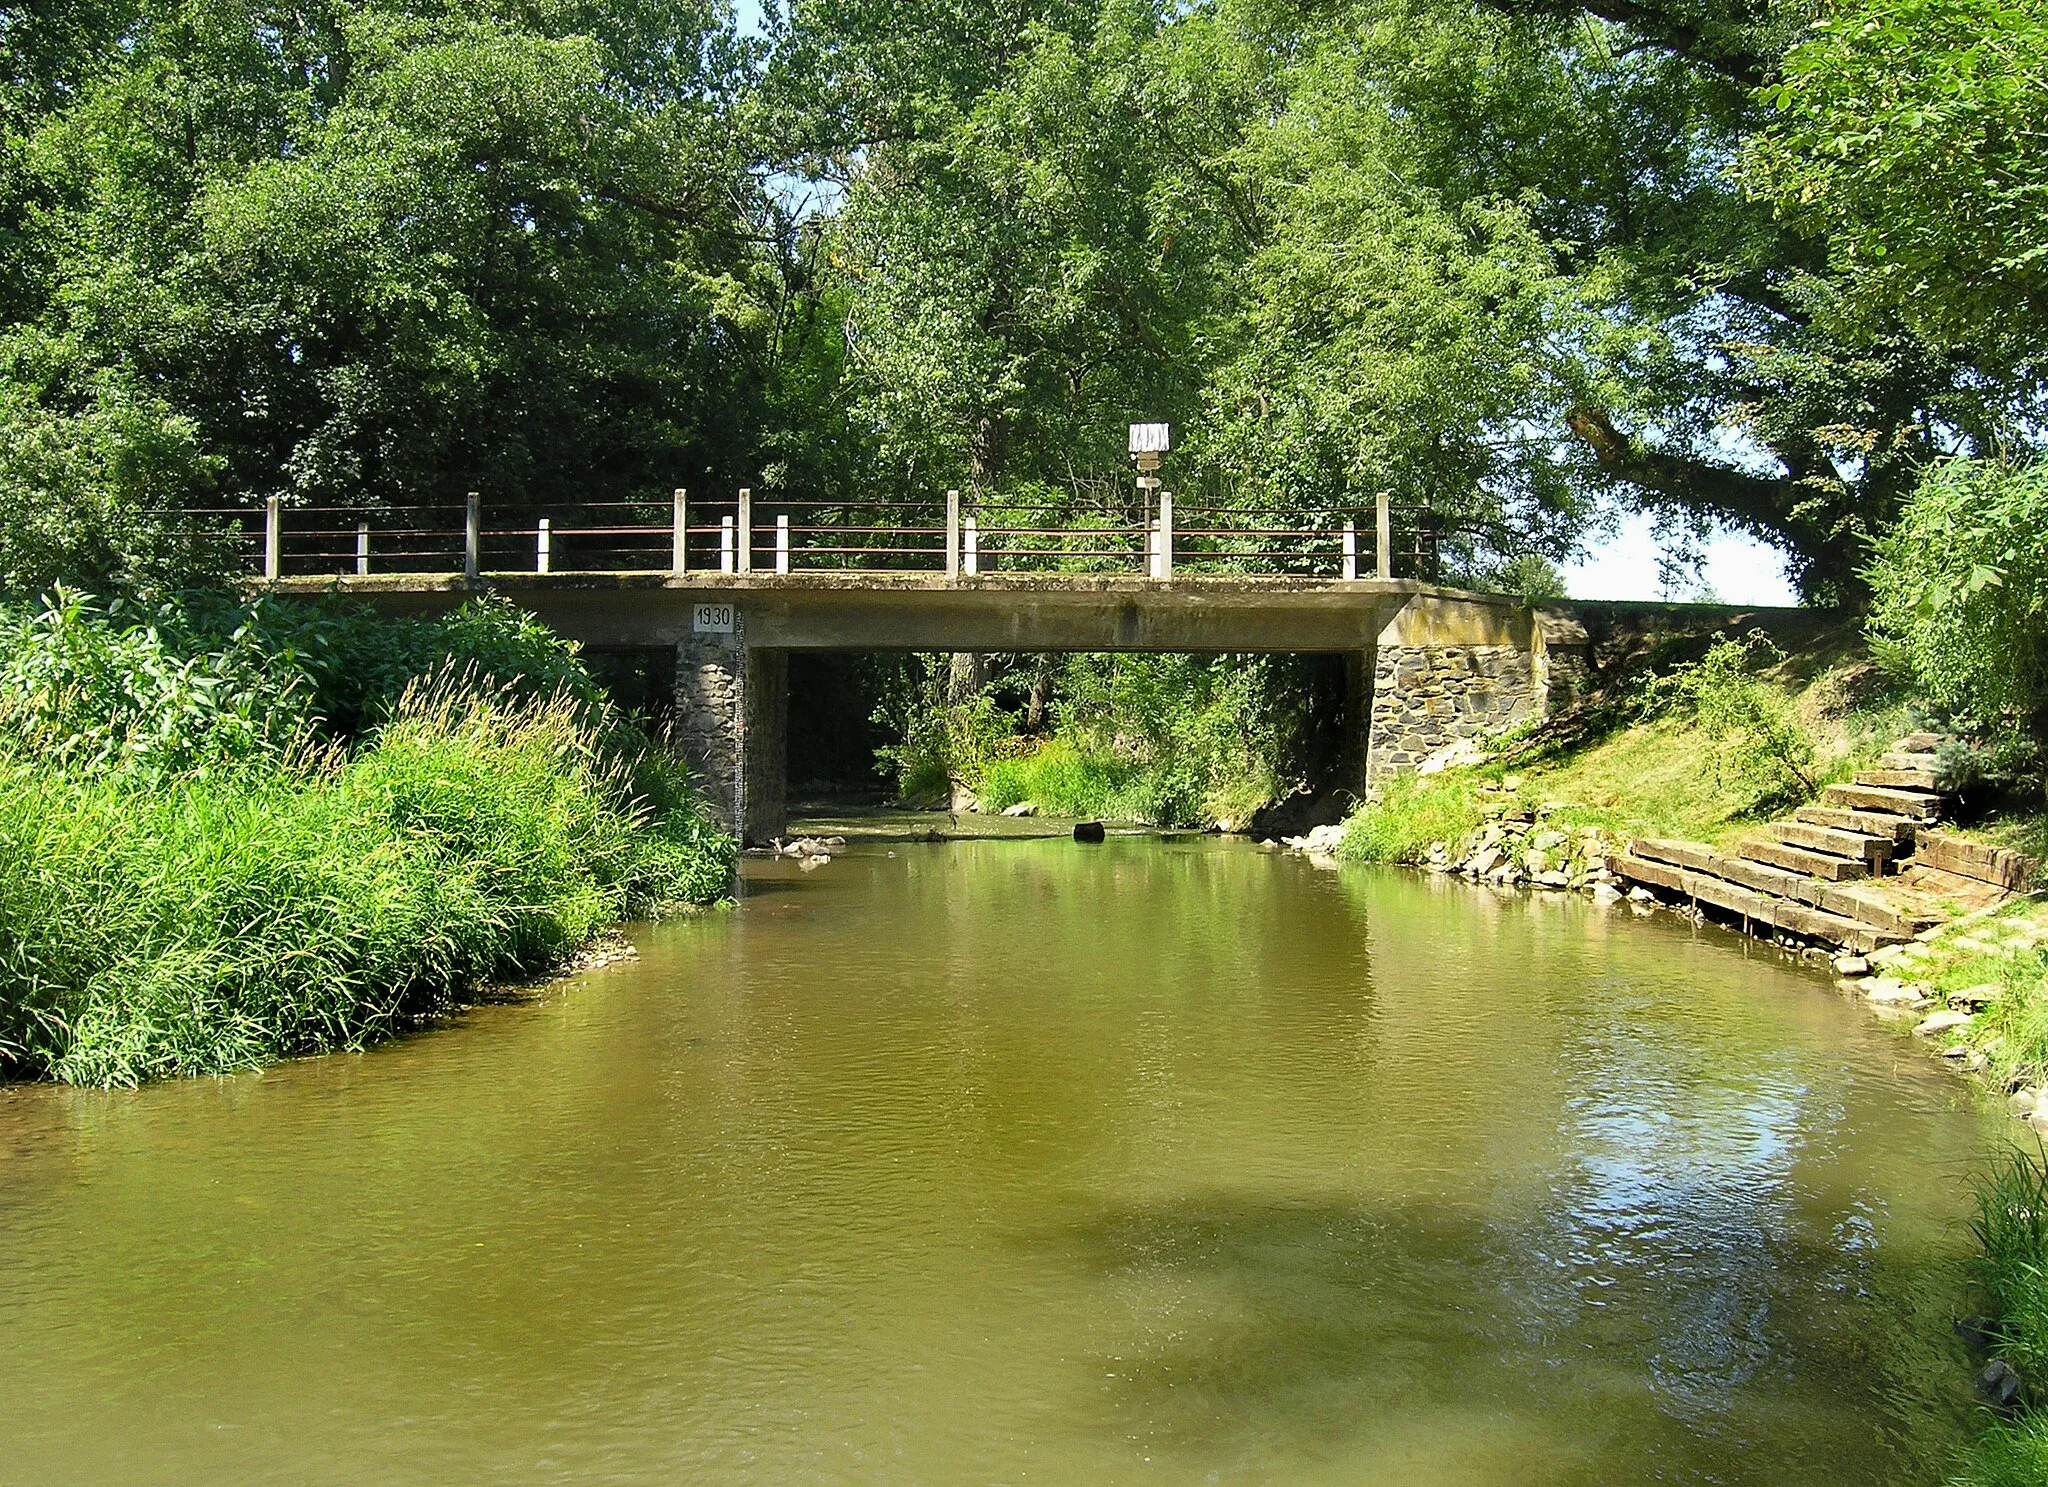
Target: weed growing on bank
1411,813
215,923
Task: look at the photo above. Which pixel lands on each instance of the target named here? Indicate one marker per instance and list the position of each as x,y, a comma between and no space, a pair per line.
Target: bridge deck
843,609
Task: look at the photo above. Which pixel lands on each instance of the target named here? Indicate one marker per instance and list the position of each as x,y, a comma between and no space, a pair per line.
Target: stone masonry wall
1426,697
732,720
711,710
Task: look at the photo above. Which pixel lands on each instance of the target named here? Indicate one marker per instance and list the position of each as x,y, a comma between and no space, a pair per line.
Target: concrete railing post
1165,535
544,546
679,543
472,537
744,552
970,544
1386,535
362,549
1351,549
952,534
725,544
273,538
782,543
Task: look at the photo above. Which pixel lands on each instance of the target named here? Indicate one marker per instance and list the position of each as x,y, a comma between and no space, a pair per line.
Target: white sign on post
713,619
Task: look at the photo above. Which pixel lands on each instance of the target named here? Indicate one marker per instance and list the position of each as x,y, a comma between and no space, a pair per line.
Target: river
1023,1161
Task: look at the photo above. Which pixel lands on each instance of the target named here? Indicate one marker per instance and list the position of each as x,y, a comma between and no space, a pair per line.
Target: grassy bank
194,885
1702,750
1997,964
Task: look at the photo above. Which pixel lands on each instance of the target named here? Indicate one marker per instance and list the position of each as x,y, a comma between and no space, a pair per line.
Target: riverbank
215,858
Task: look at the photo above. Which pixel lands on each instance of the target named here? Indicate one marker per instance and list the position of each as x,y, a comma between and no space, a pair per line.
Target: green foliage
1411,813
1170,740
942,740
1065,779
85,483
1756,737
1880,98
1960,592
1203,738
91,694
214,924
207,686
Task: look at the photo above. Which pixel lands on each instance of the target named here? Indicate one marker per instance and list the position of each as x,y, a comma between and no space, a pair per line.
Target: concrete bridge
1426,665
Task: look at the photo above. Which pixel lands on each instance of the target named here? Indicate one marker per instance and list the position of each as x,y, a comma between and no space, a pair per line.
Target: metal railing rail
745,533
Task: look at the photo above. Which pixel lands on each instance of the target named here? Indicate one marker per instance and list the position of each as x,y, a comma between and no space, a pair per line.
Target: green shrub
1960,593
212,924
1757,739
1412,812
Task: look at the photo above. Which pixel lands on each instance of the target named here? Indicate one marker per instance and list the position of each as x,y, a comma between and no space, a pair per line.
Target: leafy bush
1412,812
1960,593
85,690
210,925
86,476
1757,738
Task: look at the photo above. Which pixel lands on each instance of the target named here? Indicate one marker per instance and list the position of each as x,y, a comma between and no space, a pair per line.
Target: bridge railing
746,533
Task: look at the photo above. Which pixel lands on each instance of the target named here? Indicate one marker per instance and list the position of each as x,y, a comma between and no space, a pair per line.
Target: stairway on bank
1862,869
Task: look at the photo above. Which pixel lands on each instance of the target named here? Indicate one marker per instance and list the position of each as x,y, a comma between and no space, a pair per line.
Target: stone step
1877,798
1757,908
2001,866
1898,779
1896,829
1872,851
1922,743
1799,860
1863,903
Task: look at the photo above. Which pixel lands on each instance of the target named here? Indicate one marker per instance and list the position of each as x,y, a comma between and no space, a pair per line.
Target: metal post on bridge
743,552
679,543
782,543
952,534
273,538
362,549
544,546
1351,549
472,536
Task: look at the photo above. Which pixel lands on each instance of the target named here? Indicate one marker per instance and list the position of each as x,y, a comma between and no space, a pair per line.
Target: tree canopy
1525,262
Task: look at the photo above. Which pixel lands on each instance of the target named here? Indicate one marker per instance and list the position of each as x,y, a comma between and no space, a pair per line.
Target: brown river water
1022,1161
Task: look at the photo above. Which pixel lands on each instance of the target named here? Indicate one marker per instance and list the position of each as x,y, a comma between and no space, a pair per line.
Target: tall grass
2011,1227
213,922
1411,813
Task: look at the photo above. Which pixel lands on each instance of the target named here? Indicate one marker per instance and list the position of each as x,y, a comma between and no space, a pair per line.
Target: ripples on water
1022,1161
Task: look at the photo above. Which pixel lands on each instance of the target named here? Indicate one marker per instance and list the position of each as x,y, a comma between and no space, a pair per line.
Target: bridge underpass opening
842,707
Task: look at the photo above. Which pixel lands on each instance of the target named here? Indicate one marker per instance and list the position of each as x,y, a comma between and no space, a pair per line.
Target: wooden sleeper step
2001,866
1873,852
1899,779
1793,859
1895,829
1758,908
1880,798
1926,763
1847,900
